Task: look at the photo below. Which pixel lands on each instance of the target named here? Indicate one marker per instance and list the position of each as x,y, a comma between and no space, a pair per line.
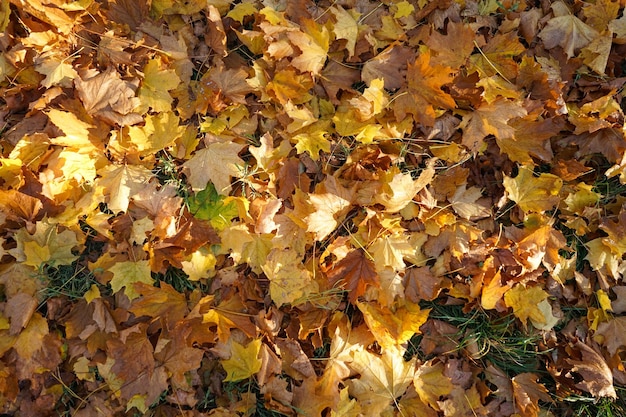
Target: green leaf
209,205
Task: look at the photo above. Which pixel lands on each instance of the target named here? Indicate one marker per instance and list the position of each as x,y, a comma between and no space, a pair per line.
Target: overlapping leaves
264,202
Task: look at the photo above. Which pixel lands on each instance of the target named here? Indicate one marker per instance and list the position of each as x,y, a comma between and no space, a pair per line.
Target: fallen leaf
566,30
383,380
217,163
126,274
243,362
354,273
527,392
533,193
525,303
597,376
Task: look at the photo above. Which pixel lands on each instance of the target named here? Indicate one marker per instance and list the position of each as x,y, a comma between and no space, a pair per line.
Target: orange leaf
425,82
354,273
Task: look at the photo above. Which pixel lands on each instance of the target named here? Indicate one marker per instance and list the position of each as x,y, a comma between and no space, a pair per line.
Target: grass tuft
491,338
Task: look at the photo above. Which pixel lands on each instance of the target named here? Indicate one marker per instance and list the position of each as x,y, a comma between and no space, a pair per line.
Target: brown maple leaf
354,273
425,94
597,376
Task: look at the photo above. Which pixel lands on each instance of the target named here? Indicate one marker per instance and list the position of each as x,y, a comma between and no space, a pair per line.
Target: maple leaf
126,274
121,182
313,44
431,384
612,334
490,119
243,362
288,281
533,193
525,303
19,309
527,393
46,246
497,56
208,205
173,350
597,376
201,264
31,338
393,327
354,273
331,201
566,30
313,139
390,65
159,132
132,367
56,68
231,83
464,203
154,90
425,82
217,163
76,131
159,302
383,379
390,251
454,48
531,138
399,189
346,27
288,85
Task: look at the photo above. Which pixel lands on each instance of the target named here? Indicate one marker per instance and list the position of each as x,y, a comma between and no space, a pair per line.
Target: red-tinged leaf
425,82
354,273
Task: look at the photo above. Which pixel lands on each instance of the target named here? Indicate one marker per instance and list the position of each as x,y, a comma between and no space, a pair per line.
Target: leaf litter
312,208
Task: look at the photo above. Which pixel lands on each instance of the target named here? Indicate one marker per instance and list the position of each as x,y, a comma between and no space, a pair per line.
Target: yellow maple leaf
533,193
76,131
431,384
11,172
313,44
398,189
525,303
603,259
346,26
241,10
243,362
330,202
313,139
120,183
289,282
497,56
389,251
154,91
46,246
201,264
383,379
218,162
288,84
395,326
492,291
125,274
57,69
159,132
30,340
